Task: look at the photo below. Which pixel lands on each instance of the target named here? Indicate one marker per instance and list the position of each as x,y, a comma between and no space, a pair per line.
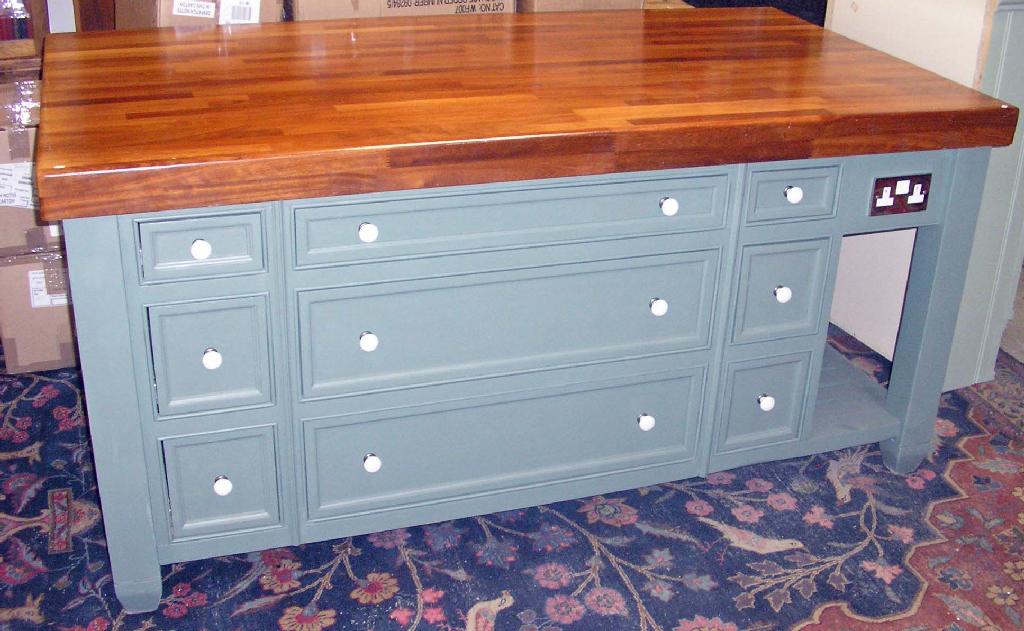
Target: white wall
943,36
62,15
872,279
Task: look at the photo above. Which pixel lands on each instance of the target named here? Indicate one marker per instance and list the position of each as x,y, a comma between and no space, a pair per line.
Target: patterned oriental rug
833,541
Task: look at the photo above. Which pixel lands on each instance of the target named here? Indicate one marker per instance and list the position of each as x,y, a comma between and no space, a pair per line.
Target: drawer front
791,194
210,355
201,247
348,231
443,455
764,401
221,483
439,331
782,286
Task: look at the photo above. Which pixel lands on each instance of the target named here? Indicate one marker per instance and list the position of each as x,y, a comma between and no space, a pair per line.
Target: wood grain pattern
179,118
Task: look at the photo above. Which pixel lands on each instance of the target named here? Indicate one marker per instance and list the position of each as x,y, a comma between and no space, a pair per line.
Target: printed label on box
239,12
16,185
38,293
440,7
194,8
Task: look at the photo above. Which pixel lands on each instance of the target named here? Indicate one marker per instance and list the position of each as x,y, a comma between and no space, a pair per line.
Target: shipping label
239,12
16,185
194,8
39,293
439,7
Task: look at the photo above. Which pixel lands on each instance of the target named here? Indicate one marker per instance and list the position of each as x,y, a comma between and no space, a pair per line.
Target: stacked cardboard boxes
35,319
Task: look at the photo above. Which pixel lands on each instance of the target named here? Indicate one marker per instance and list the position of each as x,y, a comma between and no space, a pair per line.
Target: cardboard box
666,4
35,316
142,14
20,69
303,10
541,6
342,9
20,232
399,8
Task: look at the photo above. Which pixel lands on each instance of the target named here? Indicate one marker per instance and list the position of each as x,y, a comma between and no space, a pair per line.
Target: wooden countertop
181,118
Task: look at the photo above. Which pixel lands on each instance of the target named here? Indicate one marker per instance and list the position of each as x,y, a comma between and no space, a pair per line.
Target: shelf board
850,408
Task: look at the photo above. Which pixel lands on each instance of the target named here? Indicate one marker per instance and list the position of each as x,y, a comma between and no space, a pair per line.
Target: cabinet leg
139,595
119,448
902,458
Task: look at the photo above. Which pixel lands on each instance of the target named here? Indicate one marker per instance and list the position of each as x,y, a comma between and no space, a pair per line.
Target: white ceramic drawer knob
368,232
766,402
372,463
669,206
646,422
222,485
368,342
783,294
659,307
212,359
794,194
201,249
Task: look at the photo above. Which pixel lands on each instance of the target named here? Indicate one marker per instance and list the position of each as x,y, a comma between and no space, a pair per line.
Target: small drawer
221,483
764,402
791,194
404,334
594,428
350,230
201,247
782,286
210,355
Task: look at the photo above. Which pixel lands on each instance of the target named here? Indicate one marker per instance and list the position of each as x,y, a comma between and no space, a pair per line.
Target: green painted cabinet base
272,374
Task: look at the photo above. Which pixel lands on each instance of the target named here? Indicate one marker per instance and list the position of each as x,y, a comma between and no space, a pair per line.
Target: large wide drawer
349,230
403,334
387,463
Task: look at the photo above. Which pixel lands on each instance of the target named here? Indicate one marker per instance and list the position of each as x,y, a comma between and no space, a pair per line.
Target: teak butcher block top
180,118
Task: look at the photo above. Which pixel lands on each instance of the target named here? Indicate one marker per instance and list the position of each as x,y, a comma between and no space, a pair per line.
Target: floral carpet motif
833,541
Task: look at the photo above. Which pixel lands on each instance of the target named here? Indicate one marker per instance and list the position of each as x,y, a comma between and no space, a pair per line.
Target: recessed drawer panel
791,194
782,286
426,458
222,482
348,231
440,331
764,401
210,355
201,247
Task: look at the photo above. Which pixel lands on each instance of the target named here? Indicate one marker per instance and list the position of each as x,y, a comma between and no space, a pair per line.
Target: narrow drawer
782,286
210,355
405,334
200,247
427,458
791,194
764,401
222,483
350,230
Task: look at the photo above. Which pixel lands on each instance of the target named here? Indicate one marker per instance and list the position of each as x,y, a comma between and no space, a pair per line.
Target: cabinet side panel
108,367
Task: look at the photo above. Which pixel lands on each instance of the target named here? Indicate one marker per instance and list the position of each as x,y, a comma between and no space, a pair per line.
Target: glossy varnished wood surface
162,119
